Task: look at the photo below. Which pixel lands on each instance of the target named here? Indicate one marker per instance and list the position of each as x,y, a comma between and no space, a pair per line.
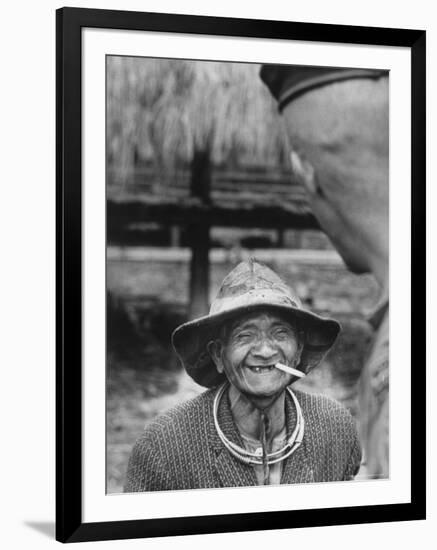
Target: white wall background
27,247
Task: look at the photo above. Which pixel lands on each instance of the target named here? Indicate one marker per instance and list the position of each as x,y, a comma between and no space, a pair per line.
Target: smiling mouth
261,369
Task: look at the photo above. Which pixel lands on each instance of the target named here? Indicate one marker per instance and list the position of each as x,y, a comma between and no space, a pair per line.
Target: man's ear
305,173
214,349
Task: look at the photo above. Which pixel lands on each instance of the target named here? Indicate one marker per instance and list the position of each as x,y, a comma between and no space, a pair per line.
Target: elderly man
250,427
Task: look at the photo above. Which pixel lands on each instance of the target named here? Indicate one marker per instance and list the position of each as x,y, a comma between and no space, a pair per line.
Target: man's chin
356,266
263,398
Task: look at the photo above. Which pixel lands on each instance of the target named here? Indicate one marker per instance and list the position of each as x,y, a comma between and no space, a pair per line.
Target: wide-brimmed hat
250,286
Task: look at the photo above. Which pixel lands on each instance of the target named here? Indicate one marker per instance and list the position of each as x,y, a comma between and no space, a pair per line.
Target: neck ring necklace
248,457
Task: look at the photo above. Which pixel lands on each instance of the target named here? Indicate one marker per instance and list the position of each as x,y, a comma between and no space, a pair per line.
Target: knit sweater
182,450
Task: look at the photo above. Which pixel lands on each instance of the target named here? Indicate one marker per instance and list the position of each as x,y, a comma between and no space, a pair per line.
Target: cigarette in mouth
290,370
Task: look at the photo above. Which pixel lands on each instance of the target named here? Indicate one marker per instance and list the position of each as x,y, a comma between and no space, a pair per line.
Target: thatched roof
162,110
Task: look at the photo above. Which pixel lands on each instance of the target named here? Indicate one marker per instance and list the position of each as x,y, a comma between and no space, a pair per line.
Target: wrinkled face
248,352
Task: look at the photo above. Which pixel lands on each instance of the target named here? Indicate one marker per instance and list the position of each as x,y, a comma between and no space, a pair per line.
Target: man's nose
264,349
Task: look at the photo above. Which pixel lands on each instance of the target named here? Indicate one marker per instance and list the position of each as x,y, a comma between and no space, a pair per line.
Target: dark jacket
181,448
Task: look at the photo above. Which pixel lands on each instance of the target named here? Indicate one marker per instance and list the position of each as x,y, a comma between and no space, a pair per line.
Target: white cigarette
290,370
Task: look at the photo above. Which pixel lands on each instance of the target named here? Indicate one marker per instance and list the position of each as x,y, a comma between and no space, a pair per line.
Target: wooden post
175,236
199,236
200,183
199,270
280,238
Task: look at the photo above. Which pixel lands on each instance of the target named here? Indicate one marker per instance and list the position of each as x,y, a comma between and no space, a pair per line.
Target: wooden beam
199,270
121,215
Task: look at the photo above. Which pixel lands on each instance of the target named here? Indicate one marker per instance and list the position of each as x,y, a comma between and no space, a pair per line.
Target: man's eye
244,336
281,333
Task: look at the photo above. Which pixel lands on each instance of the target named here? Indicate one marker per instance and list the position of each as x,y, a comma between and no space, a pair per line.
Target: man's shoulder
196,405
166,449
322,408
179,419
328,425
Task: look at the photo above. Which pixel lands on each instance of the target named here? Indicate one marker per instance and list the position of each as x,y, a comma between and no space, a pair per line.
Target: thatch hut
196,144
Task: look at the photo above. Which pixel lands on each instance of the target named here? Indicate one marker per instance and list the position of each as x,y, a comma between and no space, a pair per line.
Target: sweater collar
296,469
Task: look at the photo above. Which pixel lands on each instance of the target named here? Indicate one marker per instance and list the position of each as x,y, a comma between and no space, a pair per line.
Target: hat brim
190,340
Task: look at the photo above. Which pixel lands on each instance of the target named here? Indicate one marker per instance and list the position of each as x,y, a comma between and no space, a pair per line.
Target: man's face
340,139
250,350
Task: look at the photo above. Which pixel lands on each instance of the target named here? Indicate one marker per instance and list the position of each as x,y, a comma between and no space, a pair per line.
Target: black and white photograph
247,274
238,203
218,275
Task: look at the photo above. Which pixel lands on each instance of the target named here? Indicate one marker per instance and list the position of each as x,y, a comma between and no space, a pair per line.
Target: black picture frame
69,24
